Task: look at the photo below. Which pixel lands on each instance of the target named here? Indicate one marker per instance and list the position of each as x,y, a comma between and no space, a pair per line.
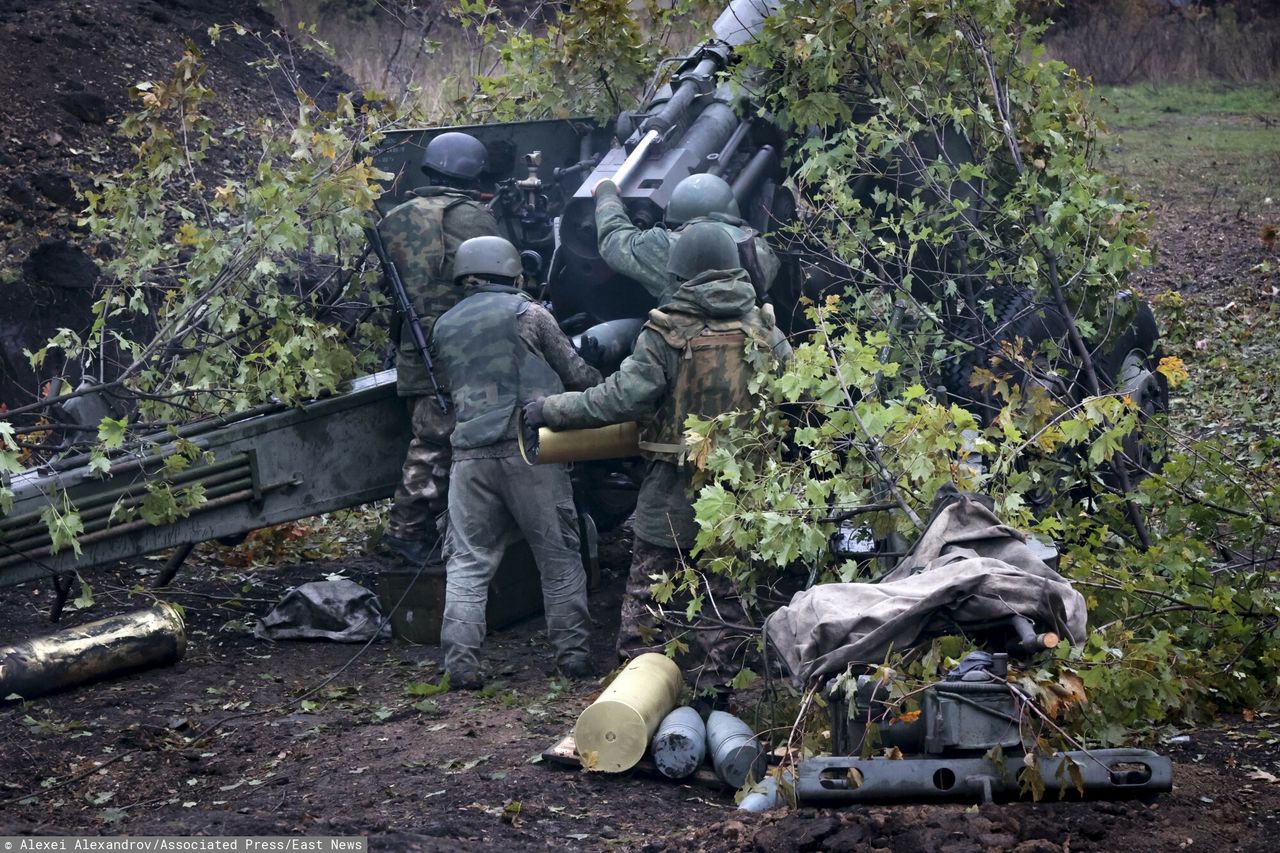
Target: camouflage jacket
497,349
641,254
656,387
422,235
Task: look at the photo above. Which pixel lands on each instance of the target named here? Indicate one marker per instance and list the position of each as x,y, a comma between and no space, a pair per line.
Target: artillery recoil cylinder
614,731
131,641
634,159
735,752
614,441
680,743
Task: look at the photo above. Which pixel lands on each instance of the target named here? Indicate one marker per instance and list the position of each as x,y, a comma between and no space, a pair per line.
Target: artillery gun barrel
693,83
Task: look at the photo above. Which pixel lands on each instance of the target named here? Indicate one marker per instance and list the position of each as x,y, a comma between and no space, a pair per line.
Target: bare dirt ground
461,770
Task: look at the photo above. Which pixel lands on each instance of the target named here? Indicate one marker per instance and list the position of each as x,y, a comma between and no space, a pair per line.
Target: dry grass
1122,43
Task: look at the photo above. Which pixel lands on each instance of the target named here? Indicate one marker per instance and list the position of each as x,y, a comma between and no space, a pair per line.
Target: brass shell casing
614,731
130,641
615,441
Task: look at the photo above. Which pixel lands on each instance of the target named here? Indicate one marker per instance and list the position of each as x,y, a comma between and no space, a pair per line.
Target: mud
318,738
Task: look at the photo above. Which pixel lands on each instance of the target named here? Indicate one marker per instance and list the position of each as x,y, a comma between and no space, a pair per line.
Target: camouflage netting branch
975,331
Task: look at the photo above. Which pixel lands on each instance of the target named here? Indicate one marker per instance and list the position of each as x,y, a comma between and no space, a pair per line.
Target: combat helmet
700,195
702,246
455,155
487,258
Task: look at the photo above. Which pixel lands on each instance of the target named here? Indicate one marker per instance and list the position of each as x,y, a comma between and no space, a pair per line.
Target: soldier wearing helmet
421,236
642,254
690,359
497,348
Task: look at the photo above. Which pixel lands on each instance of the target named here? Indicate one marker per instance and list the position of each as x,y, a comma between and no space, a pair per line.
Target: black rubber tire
980,340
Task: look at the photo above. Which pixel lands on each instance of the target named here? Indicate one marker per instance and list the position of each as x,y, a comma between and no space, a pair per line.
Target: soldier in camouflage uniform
421,236
642,255
690,358
498,348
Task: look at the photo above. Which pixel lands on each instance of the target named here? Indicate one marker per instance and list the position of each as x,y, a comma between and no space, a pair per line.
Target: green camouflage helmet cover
487,258
702,246
698,196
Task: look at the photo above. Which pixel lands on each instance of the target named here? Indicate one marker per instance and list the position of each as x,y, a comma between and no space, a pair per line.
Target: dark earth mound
65,72
460,770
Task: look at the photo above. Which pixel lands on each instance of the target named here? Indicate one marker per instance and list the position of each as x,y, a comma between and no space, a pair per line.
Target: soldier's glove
533,413
591,351
595,191
575,323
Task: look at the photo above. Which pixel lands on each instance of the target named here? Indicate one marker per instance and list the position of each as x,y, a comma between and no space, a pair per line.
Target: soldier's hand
600,185
533,413
591,351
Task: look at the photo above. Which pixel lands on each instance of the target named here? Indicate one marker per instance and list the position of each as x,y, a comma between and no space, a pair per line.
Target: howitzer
409,313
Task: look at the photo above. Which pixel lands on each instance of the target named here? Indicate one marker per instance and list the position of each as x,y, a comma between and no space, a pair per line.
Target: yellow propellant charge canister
614,731
615,441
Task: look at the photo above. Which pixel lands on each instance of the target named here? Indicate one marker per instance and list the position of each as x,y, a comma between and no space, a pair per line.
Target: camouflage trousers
418,507
714,652
492,503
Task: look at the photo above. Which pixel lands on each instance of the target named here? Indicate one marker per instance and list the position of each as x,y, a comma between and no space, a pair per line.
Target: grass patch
1212,146
1208,158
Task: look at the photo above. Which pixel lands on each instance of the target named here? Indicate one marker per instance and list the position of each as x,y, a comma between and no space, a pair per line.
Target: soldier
421,236
497,348
642,254
690,358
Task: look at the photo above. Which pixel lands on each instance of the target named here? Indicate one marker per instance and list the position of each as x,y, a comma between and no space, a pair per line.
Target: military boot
413,552
577,669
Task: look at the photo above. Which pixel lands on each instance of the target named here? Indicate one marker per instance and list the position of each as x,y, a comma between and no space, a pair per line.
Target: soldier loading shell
643,254
496,348
690,359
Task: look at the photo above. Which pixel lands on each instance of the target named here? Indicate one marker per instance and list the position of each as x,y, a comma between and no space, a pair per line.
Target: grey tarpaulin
340,610
967,568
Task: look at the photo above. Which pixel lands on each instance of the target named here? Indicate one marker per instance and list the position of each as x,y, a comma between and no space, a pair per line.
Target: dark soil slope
65,72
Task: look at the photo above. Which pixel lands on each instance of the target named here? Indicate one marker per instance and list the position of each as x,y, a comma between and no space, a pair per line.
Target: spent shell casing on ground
680,743
735,752
614,731
112,646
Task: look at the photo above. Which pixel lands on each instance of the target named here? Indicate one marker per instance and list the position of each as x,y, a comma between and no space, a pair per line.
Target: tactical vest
490,370
712,374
